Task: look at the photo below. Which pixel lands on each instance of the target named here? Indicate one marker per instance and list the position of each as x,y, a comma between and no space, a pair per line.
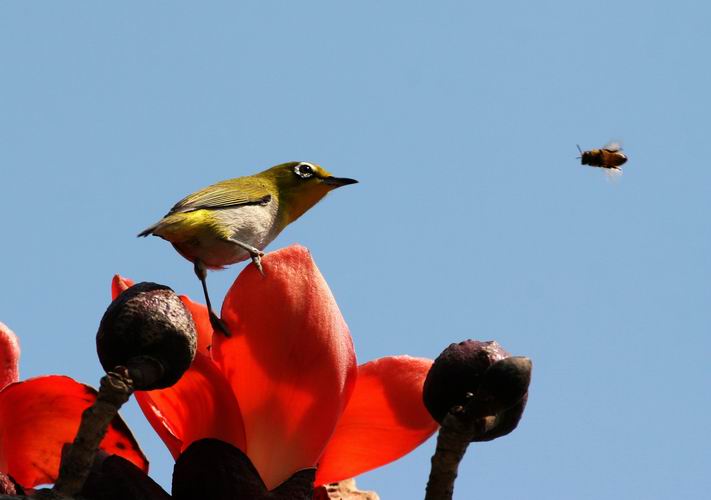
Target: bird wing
225,194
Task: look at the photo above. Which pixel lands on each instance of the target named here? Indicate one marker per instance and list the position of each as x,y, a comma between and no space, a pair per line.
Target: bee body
610,157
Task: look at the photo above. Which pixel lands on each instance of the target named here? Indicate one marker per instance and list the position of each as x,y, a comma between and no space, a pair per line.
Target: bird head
300,185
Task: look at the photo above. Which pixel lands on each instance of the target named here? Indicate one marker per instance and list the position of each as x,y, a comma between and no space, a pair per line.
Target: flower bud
504,423
504,383
148,330
210,468
114,478
479,380
456,374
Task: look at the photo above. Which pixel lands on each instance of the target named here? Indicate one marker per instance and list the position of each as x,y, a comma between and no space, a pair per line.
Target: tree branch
116,388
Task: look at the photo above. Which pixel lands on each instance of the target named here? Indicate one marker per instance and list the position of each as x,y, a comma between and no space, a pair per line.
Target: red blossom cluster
284,388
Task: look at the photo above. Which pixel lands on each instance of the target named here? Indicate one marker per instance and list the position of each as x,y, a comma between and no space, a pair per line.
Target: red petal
290,361
119,284
200,405
9,356
200,315
38,416
384,420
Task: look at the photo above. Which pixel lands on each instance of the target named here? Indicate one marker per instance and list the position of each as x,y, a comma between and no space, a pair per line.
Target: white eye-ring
304,170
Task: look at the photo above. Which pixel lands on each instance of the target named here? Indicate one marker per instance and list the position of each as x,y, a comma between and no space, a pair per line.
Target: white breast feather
252,224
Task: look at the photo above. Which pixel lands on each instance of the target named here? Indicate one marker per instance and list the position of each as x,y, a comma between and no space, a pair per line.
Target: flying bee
609,157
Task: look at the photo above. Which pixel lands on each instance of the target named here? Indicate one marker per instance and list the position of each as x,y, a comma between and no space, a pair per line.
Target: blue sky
473,218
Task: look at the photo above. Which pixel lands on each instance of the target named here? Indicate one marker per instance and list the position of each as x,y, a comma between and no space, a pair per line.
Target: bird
235,219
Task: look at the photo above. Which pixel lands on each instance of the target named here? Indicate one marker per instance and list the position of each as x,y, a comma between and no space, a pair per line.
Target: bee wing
613,146
613,174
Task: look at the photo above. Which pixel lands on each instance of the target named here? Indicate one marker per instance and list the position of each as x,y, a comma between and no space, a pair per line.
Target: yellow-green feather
185,226
232,192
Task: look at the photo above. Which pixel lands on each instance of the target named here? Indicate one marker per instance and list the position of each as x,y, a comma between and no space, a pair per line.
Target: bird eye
304,170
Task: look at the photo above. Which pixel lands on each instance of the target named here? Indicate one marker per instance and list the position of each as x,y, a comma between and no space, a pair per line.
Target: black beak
338,181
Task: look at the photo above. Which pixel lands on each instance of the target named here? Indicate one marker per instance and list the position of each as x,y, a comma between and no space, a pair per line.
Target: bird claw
257,259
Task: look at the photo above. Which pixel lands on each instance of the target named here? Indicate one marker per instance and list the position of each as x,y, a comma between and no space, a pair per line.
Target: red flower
41,414
285,388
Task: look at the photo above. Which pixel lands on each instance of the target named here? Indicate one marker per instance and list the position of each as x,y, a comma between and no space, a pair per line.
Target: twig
116,388
457,432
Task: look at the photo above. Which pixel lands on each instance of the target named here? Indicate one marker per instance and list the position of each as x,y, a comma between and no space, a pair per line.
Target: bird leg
215,321
255,253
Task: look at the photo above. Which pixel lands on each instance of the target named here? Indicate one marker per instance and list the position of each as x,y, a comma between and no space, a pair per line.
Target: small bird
236,219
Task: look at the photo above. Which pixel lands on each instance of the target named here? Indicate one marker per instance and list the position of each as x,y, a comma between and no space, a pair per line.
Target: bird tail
148,231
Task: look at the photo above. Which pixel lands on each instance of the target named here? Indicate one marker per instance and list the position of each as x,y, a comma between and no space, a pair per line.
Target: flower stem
454,437
116,388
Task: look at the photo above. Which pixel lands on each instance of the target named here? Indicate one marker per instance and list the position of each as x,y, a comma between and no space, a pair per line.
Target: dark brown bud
456,375
148,330
210,468
479,381
504,384
505,422
114,478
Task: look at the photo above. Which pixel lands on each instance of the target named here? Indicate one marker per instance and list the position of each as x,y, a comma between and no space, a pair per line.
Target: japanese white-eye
236,219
